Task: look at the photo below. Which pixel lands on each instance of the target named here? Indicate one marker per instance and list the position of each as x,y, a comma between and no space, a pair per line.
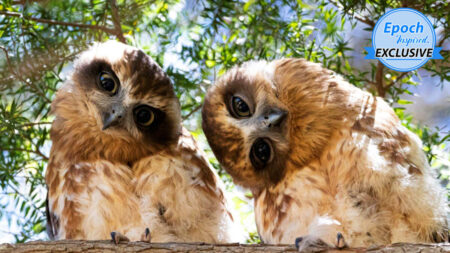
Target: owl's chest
93,199
335,189
285,214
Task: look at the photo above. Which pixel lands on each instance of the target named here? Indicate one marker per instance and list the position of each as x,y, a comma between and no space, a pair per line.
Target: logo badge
403,40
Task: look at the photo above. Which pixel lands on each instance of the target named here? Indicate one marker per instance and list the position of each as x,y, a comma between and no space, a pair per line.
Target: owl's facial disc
118,94
267,119
247,126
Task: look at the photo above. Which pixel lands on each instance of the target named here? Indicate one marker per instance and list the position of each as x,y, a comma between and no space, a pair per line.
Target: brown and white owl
326,161
121,160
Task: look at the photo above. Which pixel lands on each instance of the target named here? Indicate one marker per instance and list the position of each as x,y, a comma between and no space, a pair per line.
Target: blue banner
371,54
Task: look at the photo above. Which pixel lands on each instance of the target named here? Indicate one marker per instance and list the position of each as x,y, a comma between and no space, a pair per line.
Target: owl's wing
208,181
388,163
182,189
51,226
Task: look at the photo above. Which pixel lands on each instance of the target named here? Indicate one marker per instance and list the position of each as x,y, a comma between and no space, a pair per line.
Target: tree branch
185,117
400,77
36,152
23,2
441,42
362,19
32,124
55,22
116,21
108,246
26,198
379,80
34,87
365,20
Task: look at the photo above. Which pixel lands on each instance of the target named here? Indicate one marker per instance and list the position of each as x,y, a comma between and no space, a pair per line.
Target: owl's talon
340,241
297,242
309,243
113,237
118,237
146,236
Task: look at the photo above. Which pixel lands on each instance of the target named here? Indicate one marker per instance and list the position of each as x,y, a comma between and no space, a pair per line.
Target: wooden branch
55,22
108,246
116,21
379,80
18,76
23,2
36,152
365,20
441,42
185,117
26,198
399,78
33,124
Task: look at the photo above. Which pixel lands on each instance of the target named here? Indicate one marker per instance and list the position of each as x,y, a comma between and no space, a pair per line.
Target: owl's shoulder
196,159
185,161
385,134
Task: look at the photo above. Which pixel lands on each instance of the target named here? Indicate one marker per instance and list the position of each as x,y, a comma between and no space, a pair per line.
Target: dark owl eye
261,153
240,108
144,115
108,83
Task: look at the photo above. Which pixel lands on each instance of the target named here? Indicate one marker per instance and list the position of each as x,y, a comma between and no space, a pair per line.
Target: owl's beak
112,118
274,117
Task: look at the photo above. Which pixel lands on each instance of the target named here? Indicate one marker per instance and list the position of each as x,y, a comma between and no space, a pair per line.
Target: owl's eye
261,153
144,115
240,108
107,82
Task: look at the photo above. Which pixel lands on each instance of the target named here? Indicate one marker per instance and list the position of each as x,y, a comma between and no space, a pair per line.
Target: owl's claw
297,242
340,241
308,243
146,236
118,237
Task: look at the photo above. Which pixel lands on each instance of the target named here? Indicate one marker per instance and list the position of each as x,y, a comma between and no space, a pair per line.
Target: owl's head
263,119
119,96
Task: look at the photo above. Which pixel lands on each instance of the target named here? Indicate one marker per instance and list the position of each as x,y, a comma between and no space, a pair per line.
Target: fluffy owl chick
326,161
121,161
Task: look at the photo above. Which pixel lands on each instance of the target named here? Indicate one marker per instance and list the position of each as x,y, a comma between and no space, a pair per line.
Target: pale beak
274,118
113,117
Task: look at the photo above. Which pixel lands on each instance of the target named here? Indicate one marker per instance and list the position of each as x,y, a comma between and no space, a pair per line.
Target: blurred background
196,41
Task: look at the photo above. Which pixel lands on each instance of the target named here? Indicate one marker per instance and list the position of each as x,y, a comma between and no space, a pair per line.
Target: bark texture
108,246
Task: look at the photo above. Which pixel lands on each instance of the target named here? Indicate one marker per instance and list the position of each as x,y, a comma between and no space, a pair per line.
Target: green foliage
195,42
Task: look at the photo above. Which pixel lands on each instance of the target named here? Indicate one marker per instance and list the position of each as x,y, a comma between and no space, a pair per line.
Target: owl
121,164
327,163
